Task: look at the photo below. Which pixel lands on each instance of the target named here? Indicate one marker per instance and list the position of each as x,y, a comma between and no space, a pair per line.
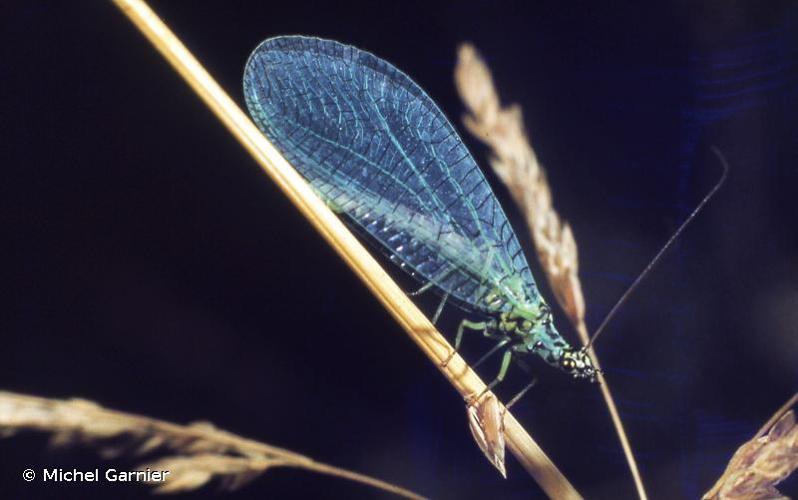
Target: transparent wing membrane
378,149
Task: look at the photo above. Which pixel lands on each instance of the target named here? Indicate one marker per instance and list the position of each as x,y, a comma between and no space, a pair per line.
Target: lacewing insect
380,152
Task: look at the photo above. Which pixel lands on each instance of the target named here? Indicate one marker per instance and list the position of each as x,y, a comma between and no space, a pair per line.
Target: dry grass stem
516,164
409,317
196,454
763,462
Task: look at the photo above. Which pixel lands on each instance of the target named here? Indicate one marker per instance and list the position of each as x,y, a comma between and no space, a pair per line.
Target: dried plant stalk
409,317
200,451
763,462
516,164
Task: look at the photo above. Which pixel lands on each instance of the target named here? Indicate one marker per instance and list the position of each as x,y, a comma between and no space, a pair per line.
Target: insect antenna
665,248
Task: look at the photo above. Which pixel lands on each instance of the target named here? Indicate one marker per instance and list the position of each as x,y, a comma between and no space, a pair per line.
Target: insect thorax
531,326
530,321
534,331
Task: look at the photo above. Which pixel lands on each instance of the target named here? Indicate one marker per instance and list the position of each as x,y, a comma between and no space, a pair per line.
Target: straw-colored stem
615,417
409,317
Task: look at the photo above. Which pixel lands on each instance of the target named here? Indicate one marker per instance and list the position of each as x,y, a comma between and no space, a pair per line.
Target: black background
150,266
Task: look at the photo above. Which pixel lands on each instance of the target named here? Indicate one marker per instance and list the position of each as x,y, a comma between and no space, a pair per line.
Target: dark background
150,266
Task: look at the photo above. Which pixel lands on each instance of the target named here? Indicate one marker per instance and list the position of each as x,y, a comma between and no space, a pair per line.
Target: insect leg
440,308
423,289
520,394
427,286
503,340
508,356
485,326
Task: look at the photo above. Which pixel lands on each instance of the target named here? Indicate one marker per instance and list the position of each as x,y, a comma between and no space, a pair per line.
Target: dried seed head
486,421
760,464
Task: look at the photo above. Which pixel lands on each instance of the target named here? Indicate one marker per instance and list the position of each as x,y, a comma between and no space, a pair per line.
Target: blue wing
376,147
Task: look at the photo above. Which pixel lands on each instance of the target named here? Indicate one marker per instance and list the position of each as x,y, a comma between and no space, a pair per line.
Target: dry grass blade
198,453
393,298
516,164
763,462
